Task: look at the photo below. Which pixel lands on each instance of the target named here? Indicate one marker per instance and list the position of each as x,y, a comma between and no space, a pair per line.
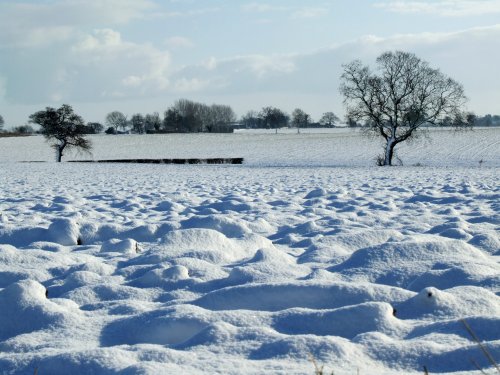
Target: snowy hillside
251,269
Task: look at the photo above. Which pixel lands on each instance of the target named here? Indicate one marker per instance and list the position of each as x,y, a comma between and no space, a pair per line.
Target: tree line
395,101
186,116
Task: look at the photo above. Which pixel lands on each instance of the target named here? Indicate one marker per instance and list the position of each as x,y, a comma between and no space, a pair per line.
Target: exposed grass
319,370
483,348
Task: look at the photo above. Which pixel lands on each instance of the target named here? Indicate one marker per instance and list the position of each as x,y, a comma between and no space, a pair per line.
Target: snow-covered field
306,250
313,147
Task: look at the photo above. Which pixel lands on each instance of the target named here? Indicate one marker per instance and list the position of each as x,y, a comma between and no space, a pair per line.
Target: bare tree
251,120
329,119
219,118
404,94
1,123
137,123
152,122
190,115
273,117
117,120
64,127
173,121
300,119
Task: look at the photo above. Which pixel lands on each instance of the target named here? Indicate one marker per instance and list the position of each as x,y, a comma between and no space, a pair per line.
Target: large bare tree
402,95
63,126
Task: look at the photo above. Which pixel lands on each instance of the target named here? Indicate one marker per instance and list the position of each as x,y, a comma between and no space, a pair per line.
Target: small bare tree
64,126
117,120
300,119
404,94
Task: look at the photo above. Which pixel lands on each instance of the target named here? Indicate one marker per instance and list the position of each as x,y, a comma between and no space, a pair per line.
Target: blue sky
142,55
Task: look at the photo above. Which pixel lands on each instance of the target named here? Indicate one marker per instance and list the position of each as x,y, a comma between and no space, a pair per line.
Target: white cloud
27,25
86,68
184,85
103,40
262,66
139,66
210,63
470,56
447,8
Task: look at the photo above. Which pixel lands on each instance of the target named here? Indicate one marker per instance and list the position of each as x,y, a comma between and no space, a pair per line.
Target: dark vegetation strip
167,161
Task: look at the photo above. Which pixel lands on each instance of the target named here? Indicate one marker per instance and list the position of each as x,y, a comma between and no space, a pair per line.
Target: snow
161,269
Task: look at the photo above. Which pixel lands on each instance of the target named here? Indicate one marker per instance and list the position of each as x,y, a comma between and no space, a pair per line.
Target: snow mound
226,225
25,309
399,263
268,264
346,322
170,326
488,242
64,232
127,246
451,303
158,277
209,245
275,296
316,193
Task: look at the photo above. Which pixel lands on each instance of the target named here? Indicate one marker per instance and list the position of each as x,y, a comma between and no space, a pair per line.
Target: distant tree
117,120
218,118
251,120
300,119
2,122
402,96
64,127
152,122
95,127
329,119
110,130
173,121
487,120
23,129
137,123
190,114
273,118
352,123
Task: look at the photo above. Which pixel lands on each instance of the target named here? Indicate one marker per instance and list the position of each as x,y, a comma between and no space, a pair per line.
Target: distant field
313,147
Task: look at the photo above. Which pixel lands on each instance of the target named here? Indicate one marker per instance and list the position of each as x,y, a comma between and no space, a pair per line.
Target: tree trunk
59,151
59,154
389,152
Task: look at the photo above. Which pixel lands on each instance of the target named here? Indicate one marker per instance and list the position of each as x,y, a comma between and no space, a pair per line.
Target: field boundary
167,161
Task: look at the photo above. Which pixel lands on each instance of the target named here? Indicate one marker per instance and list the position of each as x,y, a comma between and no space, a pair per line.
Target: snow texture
155,269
